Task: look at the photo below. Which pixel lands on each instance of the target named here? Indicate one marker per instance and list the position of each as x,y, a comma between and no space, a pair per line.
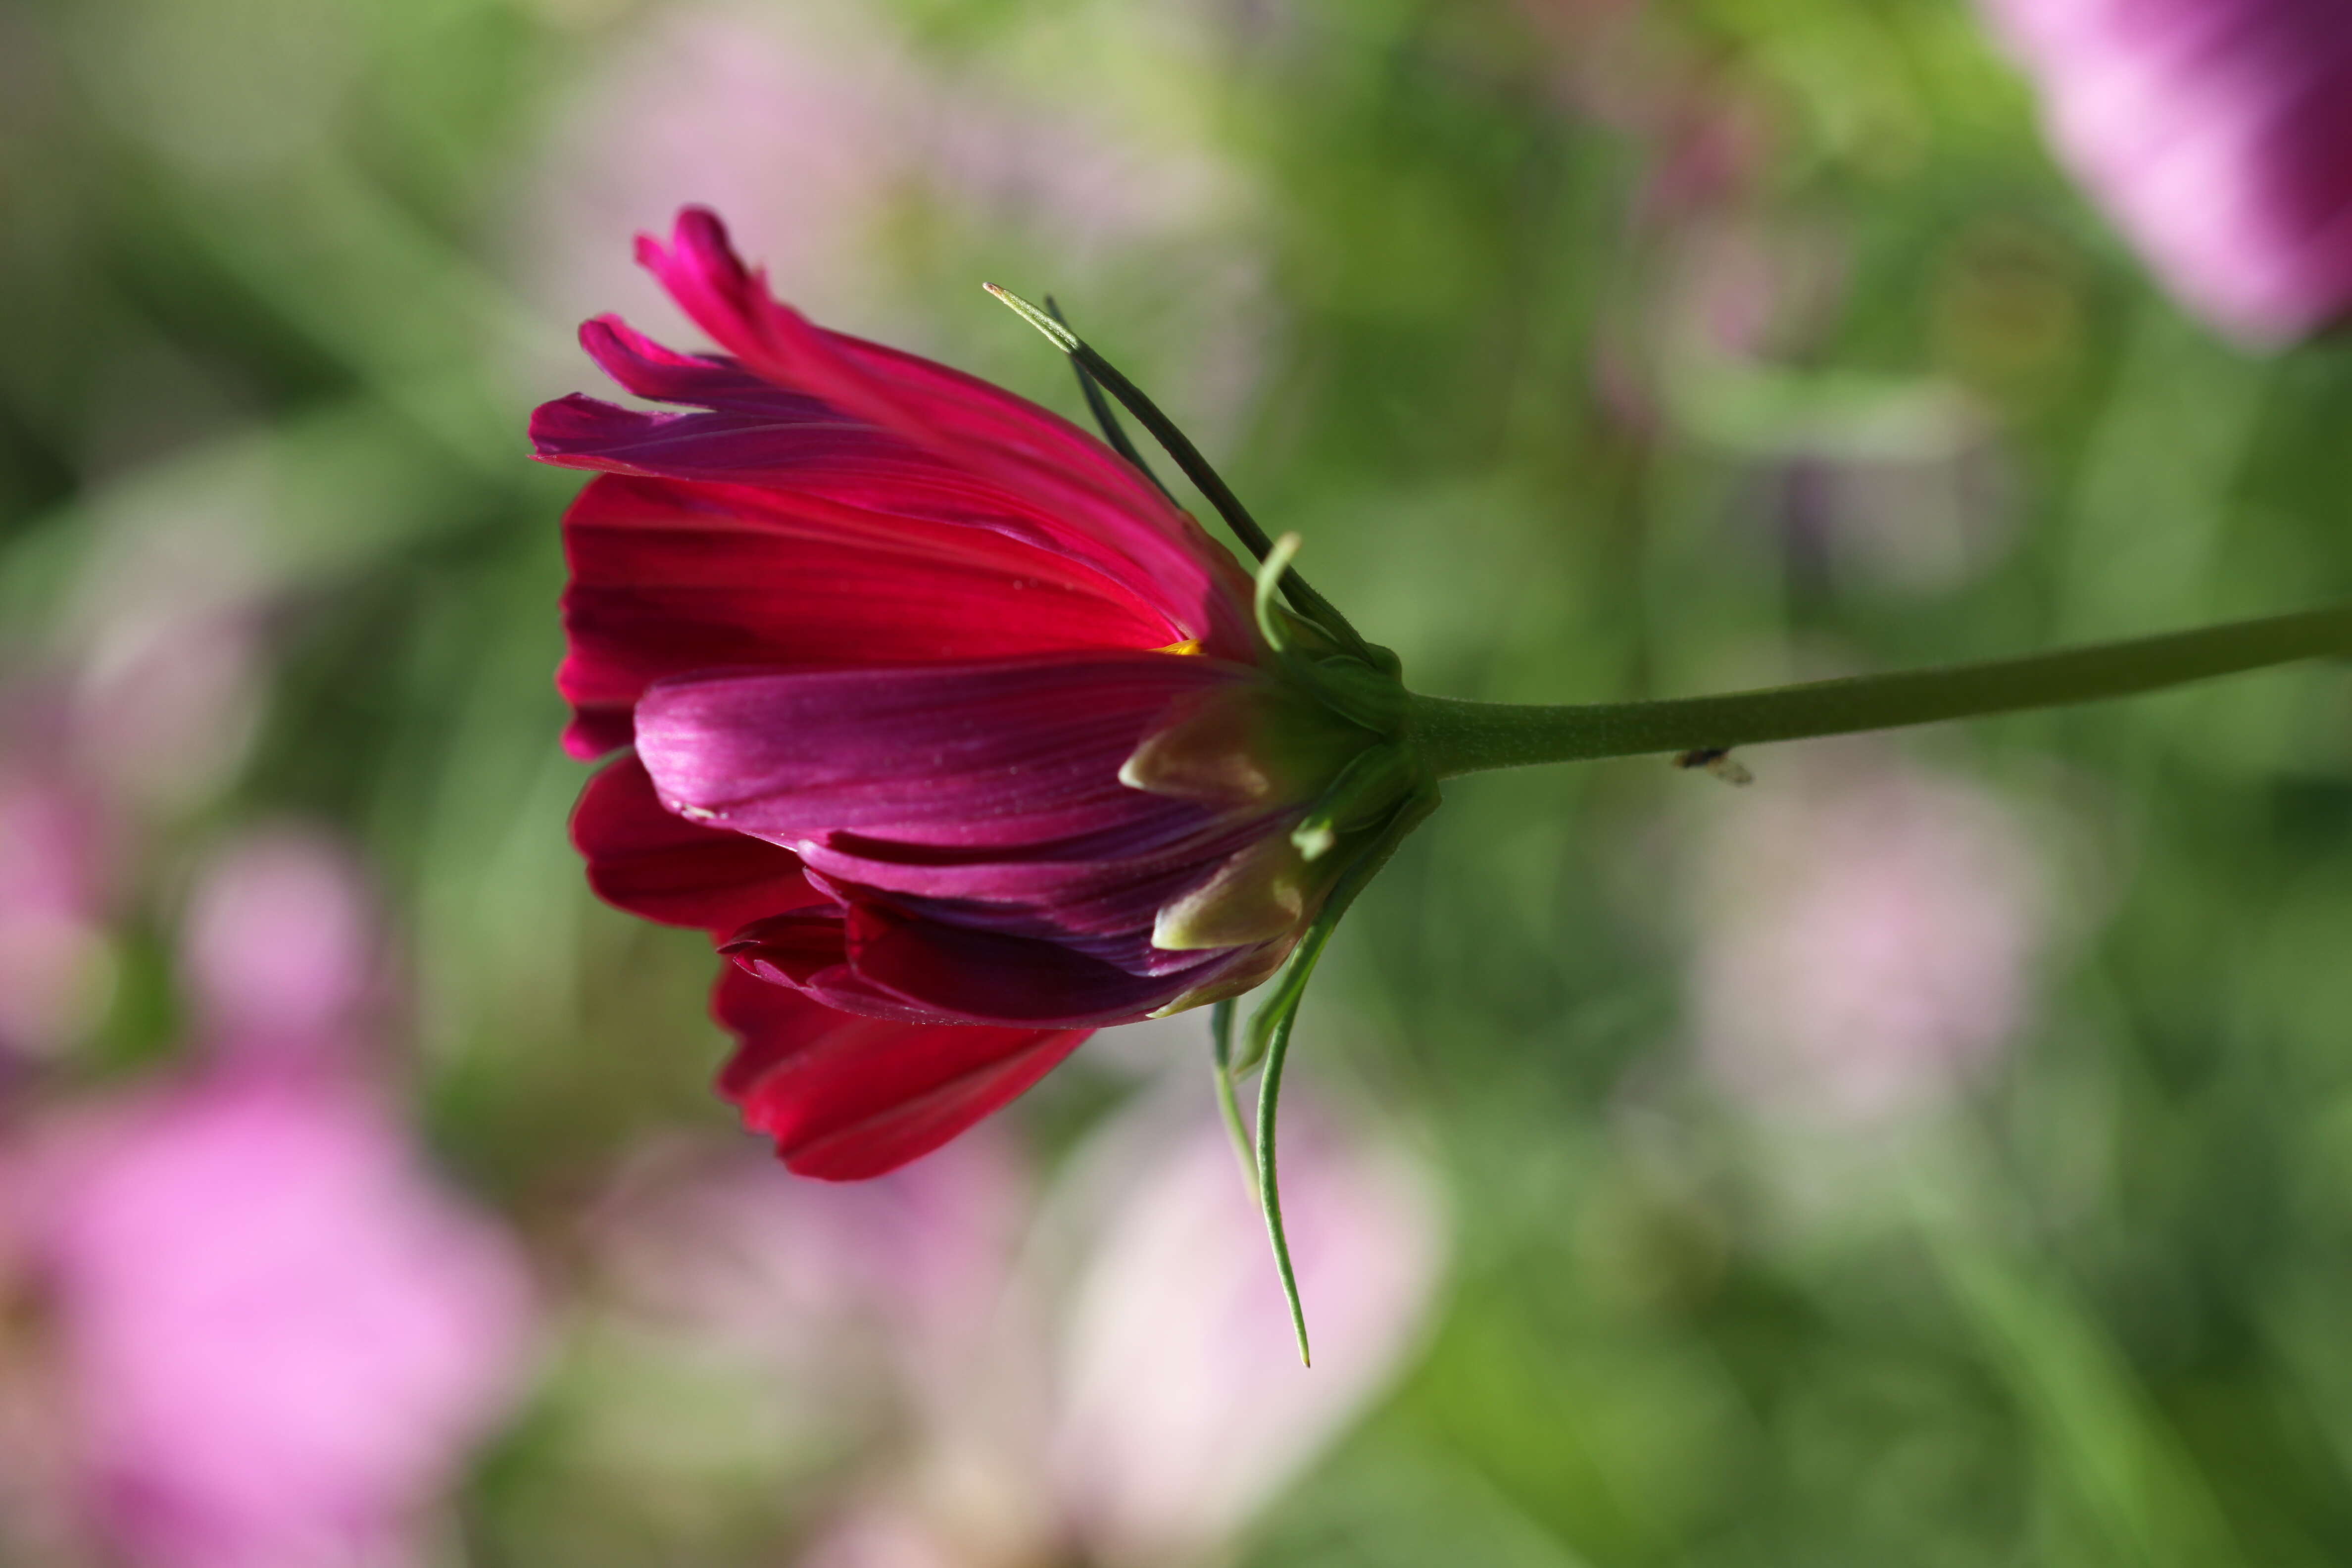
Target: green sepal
1366,788
1220,1064
1290,985
1367,696
1269,1036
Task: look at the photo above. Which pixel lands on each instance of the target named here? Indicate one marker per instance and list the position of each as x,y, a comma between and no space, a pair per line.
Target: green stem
1460,737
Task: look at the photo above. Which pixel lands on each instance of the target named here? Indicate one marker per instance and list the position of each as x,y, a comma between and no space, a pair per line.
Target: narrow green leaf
1220,1053
1106,417
1269,1186
1270,1035
1060,336
1309,603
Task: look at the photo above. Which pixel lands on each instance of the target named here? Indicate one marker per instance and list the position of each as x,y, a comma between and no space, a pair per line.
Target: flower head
959,737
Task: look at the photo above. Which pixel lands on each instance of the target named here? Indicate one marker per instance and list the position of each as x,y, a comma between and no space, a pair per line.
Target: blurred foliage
264,271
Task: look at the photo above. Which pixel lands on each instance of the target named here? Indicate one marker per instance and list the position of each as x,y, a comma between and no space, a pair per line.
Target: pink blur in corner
2218,134
276,1335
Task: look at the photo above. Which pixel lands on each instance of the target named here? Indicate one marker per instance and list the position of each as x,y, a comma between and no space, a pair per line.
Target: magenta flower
954,731
2218,134
279,956
279,1335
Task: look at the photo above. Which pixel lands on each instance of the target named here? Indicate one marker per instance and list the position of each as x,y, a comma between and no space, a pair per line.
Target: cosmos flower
2218,134
958,735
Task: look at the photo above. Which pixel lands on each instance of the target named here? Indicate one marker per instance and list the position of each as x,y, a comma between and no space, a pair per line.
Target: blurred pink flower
167,705
1867,937
279,950
880,1538
1104,1372
848,154
802,123
1182,1409
1142,1400
276,1335
161,645
820,1296
2218,134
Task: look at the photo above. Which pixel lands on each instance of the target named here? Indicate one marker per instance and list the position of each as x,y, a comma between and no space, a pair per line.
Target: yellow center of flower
1190,645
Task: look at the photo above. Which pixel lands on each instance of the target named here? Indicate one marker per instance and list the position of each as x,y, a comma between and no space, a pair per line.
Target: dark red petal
1092,502
846,1098
790,949
1010,979
1100,884
808,951
644,860
646,369
671,577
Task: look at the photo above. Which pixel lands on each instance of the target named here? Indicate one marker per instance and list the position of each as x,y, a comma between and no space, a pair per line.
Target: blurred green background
1939,1153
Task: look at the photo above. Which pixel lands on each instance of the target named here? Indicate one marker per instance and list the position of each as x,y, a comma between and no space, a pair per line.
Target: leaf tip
1060,336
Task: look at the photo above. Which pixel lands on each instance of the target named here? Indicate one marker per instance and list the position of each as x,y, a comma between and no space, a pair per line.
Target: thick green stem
1460,737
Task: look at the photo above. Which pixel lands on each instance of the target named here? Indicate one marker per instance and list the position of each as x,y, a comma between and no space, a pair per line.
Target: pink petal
669,578
1085,497
2219,135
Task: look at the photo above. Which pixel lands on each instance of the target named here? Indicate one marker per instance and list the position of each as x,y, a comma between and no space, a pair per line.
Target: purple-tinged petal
1005,752
1105,883
1010,979
880,961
